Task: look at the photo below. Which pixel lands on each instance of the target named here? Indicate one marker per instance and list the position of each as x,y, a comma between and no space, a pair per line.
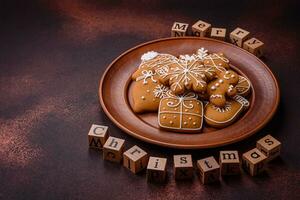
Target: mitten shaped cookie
146,91
217,61
222,86
220,117
181,113
187,73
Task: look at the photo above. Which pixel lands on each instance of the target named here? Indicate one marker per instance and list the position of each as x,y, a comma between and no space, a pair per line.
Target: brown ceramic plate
114,89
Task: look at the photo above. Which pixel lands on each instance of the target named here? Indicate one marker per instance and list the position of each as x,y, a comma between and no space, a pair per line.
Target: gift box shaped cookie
183,113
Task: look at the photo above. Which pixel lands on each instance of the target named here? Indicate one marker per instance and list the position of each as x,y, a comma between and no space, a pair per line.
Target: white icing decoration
149,55
162,70
143,97
187,57
226,75
185,72
211,58
243,104
243,85
160,91
160,60
242,100
182,102
146,74
230,88
226,108
213,96
202,53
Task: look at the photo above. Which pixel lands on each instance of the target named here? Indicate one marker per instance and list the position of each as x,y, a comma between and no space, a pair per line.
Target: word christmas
238,37
136,159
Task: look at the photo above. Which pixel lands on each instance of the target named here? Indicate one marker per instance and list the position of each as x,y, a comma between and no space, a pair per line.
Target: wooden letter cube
254,46
254,161
230,163
113,149
156,169
179,29
135,159
209,170
97,136
218,33
269,146
238,36
200,28
183,167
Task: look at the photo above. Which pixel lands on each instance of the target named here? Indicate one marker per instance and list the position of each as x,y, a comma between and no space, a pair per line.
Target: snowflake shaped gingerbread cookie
186,73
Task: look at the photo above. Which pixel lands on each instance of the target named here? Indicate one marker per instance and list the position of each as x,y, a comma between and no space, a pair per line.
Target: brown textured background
52,54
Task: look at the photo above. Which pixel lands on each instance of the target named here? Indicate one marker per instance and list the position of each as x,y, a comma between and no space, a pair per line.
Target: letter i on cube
156,169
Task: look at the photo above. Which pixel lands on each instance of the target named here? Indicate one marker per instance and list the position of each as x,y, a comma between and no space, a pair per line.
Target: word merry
238,36
136,159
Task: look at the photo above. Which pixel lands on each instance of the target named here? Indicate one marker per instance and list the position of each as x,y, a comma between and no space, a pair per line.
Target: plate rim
188,146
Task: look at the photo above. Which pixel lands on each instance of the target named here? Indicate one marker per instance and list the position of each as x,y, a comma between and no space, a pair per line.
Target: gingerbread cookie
217,61
146,91
186,73
220,117
154,60
243,87
224,85
181,113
